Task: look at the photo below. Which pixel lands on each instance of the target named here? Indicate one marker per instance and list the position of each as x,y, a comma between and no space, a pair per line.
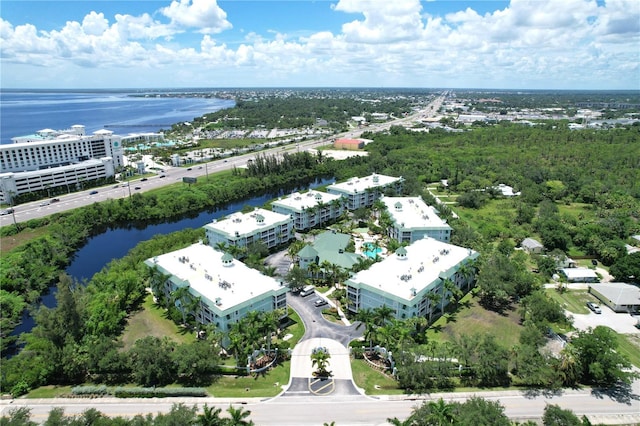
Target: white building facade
412,281
243,229
77,156
221,289
363,192
413,220
310,209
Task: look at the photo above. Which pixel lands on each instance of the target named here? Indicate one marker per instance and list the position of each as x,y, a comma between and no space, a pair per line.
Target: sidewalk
333,305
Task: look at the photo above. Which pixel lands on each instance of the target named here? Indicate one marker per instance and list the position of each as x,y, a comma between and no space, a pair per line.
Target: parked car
307,291
594,308
93,192
319,302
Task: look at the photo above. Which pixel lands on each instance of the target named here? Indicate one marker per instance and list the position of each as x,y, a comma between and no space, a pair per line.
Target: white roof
413,212
204,272
424,263
506,190
297,201
356,184
575,273
246,223
619,293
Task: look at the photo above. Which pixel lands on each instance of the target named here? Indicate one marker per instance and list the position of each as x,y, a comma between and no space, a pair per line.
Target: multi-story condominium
72,176
415,281
220,289
243,229
46,150
413,220
363,192
310,209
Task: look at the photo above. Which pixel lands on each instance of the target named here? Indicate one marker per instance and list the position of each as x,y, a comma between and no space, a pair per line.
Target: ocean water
25,112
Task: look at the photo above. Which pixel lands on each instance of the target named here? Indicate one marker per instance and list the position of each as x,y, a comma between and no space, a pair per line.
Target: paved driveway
621,323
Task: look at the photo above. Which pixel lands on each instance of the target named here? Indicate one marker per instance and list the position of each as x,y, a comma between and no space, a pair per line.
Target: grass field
263,385
150,321
11,242
573,300
472,318
373,381
629,346
50,391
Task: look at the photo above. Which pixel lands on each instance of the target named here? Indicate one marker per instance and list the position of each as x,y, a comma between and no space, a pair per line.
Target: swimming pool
370,250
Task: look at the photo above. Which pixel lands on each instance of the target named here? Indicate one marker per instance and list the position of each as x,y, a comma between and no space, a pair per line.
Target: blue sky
520,44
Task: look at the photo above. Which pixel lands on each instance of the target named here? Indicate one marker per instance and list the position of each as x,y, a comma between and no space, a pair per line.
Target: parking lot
620,322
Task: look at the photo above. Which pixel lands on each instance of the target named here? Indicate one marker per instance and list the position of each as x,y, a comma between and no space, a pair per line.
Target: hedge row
157,392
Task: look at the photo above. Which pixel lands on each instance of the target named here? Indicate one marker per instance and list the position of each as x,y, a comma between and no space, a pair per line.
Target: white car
319,302
595,308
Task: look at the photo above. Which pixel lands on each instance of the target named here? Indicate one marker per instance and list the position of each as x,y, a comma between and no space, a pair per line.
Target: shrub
157,392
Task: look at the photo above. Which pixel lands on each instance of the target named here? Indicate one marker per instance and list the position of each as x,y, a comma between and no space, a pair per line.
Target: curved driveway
321,333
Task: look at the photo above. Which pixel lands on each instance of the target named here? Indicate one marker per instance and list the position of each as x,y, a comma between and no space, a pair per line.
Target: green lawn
263,385
295,328
573,300
471,318
373,381
49,391
150,321
629,346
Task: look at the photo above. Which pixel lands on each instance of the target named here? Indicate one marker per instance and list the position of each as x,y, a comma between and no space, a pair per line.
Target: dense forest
297,112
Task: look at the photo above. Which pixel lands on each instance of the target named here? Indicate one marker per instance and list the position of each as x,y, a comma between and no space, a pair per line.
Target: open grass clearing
49,391
263,385
573,300
11,242
373,381
151,321
471,318
629,346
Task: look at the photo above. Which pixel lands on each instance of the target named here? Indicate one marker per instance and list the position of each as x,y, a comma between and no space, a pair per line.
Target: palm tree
383,314
238,416
397,422
440,413
314,270
448,286
326,267
181,298
433,299
156,282
320,358
210,416
269,325
365,316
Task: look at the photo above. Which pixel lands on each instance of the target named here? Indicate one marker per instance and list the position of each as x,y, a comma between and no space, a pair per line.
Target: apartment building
221,289
243,229
310,209
413,220
412,280
363,192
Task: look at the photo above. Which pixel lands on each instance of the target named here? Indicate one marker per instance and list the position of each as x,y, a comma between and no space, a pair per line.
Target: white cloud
205,15
538,44
384,21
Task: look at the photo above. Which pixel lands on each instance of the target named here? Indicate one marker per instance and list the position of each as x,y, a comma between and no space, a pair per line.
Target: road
33,210
354,410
